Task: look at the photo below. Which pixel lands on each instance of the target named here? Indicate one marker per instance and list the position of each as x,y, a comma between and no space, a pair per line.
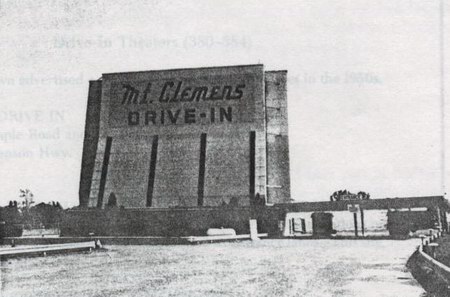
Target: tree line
25,214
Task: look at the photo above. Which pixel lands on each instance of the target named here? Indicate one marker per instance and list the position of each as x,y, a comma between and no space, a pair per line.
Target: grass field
263,268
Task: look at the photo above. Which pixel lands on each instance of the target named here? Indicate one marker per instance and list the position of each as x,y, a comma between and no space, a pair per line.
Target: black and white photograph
224,148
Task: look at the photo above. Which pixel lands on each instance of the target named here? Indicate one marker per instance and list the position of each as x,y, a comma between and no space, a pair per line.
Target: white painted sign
354,208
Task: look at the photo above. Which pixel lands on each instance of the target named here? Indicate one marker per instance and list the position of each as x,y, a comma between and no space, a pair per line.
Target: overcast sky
363,90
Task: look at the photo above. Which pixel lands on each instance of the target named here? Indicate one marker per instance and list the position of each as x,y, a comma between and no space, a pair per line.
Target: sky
364,83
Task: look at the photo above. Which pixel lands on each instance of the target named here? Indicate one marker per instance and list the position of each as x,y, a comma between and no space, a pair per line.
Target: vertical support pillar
151,174
90,143
253,230
362,220
444,218
438,211
101,191
252,167
355,221
201,170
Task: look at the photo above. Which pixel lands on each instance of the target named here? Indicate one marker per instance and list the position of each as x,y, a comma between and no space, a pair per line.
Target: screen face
201,97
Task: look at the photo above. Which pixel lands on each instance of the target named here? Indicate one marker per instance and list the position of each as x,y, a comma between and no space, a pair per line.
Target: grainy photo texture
224,148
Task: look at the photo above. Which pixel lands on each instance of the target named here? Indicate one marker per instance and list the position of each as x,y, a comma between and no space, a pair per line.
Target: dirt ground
264,268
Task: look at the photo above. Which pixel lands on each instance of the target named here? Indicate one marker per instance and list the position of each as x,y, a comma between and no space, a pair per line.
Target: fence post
422,239
432,249
253,230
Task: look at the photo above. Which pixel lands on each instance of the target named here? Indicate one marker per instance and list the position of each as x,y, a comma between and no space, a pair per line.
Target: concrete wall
227,175
278,177
271,219
91,133
400,223
234,162
177,171
431,274
128,170
166,222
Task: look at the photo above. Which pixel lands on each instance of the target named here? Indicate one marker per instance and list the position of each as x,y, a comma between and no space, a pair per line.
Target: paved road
265,268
